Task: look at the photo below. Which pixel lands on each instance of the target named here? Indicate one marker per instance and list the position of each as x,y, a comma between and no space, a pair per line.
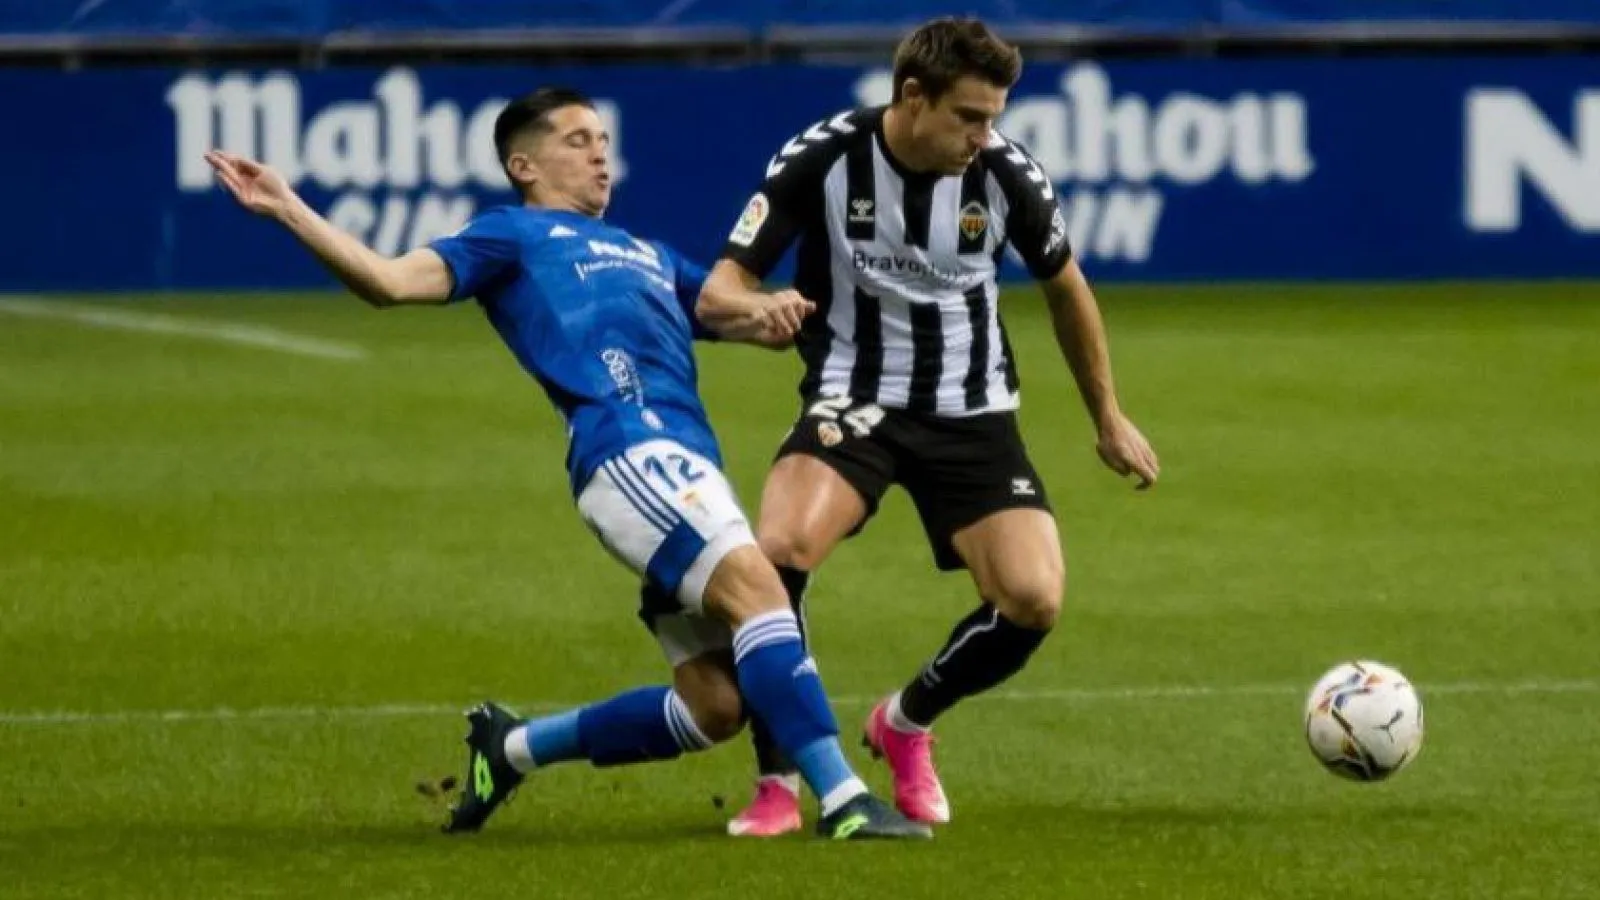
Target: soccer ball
1364,721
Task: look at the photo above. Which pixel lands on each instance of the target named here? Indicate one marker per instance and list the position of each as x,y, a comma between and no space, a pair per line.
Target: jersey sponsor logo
974,221
640,252
891,264
395,167
641,259
750,221
1117,156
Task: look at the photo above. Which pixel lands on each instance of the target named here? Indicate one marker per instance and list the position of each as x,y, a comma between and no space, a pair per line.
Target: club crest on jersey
750,221
974,221
861,210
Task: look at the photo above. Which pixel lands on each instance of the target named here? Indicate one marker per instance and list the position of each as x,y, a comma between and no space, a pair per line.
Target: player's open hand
786,312
1126,451
258,188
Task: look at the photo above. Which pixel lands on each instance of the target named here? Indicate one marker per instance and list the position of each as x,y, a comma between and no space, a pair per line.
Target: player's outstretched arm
731,305
420,276
1081,334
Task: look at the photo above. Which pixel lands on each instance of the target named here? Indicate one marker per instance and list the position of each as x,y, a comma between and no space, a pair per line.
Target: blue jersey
602,320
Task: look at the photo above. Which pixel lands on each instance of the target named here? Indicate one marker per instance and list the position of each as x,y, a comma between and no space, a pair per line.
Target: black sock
984,650
769,759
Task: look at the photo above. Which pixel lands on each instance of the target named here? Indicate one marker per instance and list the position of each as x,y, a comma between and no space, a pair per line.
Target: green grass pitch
344,553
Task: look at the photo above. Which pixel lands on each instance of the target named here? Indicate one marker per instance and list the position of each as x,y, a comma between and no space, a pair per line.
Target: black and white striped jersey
901,264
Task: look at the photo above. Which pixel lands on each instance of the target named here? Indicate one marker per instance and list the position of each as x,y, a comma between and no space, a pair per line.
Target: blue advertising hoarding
1173,169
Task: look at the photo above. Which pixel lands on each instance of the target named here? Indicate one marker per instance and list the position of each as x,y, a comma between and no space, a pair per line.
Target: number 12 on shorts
674,469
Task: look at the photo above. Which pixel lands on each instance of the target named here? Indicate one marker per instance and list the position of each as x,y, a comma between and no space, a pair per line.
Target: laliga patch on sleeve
750,221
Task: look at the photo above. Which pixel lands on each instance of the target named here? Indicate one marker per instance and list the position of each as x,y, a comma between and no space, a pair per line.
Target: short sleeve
1035,224
688,277
789,197
480,252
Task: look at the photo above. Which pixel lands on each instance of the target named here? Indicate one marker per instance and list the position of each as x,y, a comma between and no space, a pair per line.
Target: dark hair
943,50
531,113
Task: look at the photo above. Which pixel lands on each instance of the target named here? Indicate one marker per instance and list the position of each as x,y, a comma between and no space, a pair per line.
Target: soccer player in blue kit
603,321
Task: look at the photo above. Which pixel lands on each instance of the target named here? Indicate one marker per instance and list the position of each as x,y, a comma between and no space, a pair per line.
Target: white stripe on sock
517,750
690,737
671,720
749,642
977,628
842,794
898,720
768,628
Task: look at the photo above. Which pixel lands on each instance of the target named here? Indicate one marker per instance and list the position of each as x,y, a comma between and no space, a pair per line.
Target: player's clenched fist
786,311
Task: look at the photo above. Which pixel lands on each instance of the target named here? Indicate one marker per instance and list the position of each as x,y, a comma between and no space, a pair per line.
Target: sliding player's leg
691,542
646,724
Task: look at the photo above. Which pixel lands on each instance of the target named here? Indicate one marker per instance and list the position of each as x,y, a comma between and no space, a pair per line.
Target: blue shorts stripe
638,502
649,489
631,495
641,488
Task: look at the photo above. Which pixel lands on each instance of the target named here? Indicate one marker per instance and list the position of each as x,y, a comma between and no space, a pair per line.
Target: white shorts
670,515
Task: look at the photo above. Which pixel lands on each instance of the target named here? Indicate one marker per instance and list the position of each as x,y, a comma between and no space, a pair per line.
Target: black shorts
957,470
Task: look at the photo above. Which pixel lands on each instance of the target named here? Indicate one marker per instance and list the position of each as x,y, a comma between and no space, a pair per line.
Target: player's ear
522,170
913,94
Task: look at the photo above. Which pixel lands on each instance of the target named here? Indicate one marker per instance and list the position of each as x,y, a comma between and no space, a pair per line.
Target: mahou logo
404,170
1116,156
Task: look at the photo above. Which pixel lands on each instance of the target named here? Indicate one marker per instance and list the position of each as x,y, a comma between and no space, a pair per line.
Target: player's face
570,163
951,131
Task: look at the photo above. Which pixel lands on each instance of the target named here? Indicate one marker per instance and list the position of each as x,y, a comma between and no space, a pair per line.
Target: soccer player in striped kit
901,214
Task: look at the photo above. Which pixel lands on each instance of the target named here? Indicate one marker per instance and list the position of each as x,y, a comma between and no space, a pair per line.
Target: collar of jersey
894,163
567,213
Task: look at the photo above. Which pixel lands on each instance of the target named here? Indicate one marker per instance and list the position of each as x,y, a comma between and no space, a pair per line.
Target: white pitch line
258,336
1070,695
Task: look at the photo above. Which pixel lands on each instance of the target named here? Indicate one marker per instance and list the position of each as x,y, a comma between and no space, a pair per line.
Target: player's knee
1031,598
719,712
793,549
710,690
744,586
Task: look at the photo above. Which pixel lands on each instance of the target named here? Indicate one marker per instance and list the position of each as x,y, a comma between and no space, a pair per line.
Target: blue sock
780,683
822,762
554,739
640,725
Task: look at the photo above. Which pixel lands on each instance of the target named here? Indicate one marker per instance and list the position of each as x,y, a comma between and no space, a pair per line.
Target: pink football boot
774,811
917,791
